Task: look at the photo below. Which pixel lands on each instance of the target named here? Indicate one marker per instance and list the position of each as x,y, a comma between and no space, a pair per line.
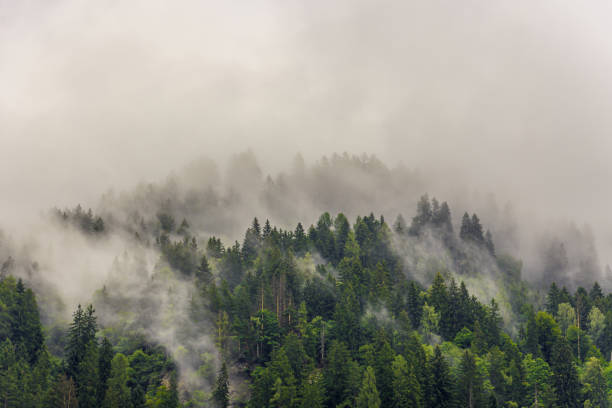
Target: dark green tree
565,375
439,390
221,395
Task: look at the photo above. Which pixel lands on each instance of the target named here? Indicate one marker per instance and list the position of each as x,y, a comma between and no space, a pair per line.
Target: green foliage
368,395
118,393
341,326
565,375
221,394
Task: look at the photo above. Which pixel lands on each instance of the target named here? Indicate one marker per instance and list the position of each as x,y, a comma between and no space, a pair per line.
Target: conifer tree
313,391
405,386
470,393
565,376
368,395
86,377
104,367
221,395
440,389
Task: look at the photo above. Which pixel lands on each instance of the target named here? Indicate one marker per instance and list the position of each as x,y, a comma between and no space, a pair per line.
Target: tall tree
368,396
104,367
439,391
565,376
595,388
406,390
86,377
118,394
221,395
470,392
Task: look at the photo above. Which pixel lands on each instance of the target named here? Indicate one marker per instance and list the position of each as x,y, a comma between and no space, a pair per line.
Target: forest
339,313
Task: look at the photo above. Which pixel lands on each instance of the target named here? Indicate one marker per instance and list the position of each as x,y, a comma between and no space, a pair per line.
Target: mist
218,112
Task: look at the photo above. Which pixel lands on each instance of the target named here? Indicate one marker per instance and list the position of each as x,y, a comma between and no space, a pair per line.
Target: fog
510,98
500,108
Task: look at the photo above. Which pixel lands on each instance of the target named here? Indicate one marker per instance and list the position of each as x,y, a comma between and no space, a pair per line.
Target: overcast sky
509,97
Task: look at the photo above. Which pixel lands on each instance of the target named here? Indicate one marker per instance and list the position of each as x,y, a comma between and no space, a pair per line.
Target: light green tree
597,324
118,393
430,320
594,384
368,396
566,316
538,377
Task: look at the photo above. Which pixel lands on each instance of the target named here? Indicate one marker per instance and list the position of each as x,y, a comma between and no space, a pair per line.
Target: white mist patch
144,298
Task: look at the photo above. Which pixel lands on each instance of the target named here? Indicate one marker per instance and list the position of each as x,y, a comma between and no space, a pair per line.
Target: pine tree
368,396
470,393
313,391
203,272
553,299
86,377
466,227
439,390
406,390
104,367
221,395
565,376
27,335
383,368
337,373
300,244
399,226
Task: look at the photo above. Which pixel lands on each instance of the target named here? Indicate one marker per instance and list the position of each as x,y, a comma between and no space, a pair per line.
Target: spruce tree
368,395
439,390
86,377
221,395
406,390
565,376
470,393
104,367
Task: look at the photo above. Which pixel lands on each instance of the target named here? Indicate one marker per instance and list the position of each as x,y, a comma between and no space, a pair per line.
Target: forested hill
341,313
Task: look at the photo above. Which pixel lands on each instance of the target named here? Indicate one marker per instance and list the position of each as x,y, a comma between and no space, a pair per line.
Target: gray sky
509,97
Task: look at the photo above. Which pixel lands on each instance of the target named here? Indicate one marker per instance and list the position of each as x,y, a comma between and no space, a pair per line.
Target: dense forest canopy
428,308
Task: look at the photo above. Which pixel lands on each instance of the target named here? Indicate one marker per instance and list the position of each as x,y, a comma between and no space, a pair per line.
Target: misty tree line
325,316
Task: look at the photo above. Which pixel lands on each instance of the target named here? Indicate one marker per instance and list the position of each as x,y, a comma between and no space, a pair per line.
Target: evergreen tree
86,377
470,392
466,227
104,367
82,332
337,373
383,368
300,240
405,386
553,299
595,388
313,391
399,226
25,324
440,389
221,395
368,396
489,242
203,272
565,376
